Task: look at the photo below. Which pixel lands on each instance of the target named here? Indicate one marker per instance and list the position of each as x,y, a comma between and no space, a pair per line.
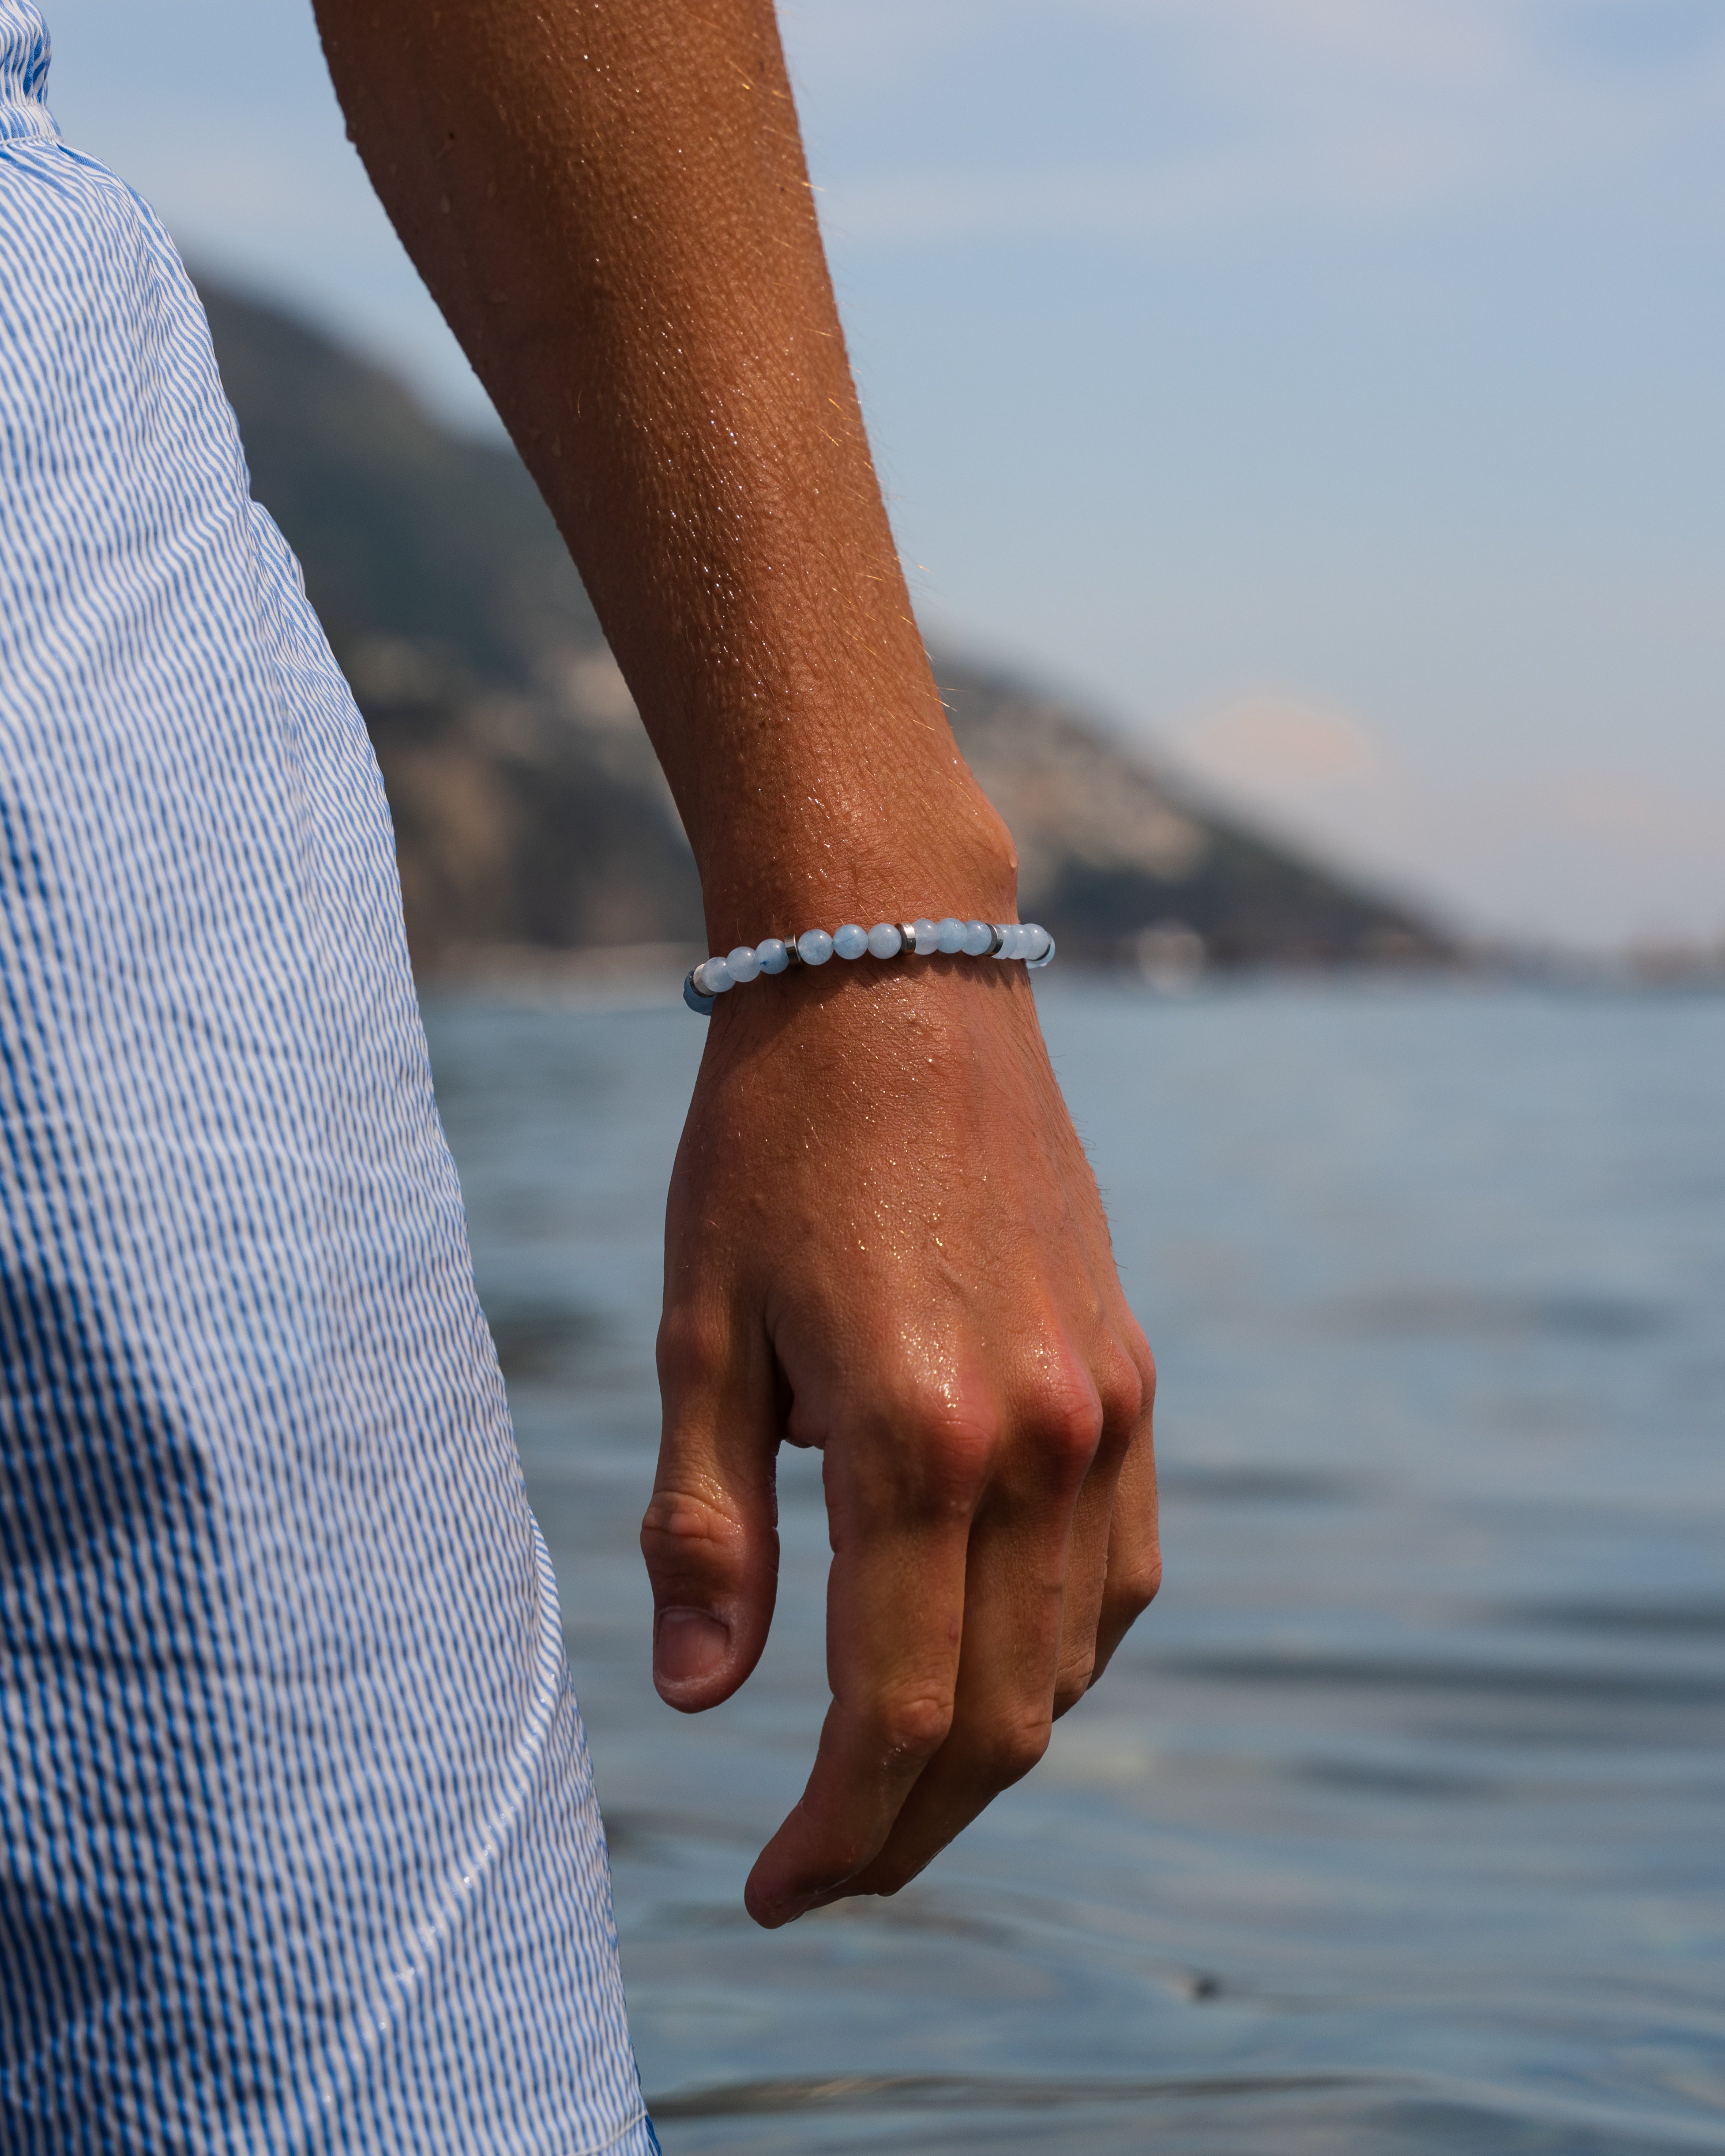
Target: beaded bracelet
888,939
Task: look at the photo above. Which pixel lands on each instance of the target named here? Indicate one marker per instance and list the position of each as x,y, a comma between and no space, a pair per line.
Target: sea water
1398,1823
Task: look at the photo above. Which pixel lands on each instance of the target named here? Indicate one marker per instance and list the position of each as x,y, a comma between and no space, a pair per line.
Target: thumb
710,1534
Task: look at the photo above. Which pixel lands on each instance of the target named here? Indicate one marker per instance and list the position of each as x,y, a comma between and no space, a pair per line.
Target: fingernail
689,1645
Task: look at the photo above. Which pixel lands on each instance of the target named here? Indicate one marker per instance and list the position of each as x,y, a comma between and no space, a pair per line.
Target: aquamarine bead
814,946
851,941
884,941
949,935
929,937
979,939
1037,940
743,963
1003,929
713,977
772,955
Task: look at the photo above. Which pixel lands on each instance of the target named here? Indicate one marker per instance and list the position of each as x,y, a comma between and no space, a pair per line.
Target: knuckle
1015,1749
1119,1387
913,1724
1138,1349
1067,1418
1131,1342
953,1448
1135,1586
1074,1680
691,1347
684,1534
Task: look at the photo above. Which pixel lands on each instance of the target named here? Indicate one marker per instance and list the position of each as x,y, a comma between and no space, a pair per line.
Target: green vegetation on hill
529,810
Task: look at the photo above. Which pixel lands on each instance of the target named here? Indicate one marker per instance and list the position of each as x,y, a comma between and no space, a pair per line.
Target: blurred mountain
529,810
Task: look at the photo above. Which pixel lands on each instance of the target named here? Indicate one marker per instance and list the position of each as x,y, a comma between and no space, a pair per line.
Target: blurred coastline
538,845
1167,960
531,816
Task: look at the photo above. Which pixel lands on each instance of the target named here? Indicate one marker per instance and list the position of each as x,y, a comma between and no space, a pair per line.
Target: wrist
819,781
934,846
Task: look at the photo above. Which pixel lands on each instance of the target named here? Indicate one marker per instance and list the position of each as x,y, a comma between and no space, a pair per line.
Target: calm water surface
1398,1824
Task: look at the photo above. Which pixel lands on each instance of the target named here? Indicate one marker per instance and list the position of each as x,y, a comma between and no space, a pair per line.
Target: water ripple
1657,1688
983,2093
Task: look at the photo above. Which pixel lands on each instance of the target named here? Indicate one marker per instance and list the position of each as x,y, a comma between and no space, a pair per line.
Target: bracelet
888,939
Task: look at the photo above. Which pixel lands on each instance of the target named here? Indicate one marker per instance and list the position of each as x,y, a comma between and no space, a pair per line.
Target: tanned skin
883,1239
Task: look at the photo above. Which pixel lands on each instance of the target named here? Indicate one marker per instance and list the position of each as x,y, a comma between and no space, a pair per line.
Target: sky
1331,392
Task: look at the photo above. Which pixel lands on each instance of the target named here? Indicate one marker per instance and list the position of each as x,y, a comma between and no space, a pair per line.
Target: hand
884,1240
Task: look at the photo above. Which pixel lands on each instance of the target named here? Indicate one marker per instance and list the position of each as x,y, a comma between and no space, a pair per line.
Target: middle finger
1024,1560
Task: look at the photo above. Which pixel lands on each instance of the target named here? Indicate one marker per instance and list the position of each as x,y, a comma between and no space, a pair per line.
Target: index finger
901,1496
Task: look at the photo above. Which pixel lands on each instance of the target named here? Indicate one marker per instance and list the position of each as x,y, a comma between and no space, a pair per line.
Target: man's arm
883,1238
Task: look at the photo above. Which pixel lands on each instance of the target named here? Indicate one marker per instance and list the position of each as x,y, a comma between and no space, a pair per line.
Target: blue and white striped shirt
298,1843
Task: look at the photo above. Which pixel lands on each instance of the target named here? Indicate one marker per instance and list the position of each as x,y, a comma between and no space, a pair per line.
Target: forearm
610,204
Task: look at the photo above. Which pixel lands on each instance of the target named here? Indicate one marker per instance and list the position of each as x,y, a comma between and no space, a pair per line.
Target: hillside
529,810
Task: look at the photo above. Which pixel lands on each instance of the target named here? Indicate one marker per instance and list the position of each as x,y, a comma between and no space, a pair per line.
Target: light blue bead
713,977
743,963
1037,940
979,939
772,955
851,941
949,935
1003,929
814,946
929,937
884,941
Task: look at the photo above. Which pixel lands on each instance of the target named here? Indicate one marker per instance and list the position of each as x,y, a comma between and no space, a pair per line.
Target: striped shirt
298,1842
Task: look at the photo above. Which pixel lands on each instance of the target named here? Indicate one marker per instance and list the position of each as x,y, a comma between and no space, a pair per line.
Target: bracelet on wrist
1023,940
